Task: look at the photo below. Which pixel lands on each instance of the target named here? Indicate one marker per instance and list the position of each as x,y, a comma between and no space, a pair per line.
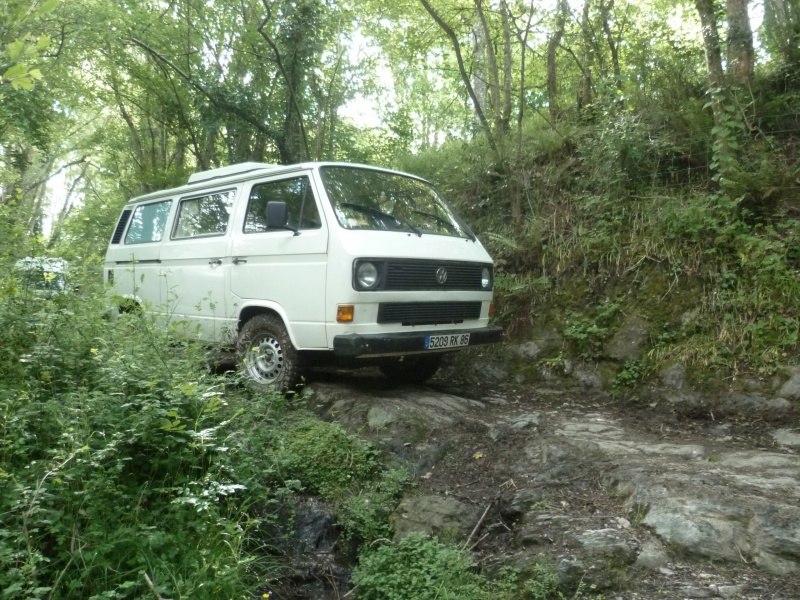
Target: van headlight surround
367,275
486,278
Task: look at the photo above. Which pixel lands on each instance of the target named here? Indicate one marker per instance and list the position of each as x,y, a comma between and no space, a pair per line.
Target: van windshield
377,200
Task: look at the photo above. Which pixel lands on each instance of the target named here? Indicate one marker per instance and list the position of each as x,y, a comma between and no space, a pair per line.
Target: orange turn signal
491,308
345,313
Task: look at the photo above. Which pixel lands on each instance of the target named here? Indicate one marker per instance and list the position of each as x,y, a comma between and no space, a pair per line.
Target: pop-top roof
229,170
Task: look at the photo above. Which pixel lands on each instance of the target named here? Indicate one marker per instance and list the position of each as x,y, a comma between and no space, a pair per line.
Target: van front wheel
411,369
265,354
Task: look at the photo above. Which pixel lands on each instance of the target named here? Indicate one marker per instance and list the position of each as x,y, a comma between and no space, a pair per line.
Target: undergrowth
127,470
626,210
425,568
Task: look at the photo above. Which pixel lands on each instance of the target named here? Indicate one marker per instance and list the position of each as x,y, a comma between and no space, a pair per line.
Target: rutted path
634,501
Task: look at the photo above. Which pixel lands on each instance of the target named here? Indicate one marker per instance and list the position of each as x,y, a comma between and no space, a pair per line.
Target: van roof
239,171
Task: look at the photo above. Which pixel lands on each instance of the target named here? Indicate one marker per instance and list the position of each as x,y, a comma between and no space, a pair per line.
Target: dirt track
631,500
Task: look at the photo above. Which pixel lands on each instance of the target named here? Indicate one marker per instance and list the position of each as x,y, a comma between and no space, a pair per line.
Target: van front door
196,266
280,268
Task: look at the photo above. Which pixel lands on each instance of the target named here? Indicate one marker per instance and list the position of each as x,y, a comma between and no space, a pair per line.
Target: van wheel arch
265,354
130,306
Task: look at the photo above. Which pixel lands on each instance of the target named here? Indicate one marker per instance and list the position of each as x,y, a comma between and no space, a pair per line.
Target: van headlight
486,278
367,275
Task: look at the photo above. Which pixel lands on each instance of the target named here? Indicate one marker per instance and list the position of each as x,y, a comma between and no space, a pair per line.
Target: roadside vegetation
615,223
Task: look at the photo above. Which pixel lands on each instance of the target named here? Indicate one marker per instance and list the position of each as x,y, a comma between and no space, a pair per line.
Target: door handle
215,262
240,260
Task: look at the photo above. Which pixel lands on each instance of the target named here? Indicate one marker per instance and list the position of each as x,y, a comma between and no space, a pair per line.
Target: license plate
439,342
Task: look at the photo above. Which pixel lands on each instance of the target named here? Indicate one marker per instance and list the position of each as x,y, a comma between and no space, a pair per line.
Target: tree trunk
493,73
507,75
725,160
780,31
479,74
585,89
605,10
552,73
523,55
711,44
740,43
463,71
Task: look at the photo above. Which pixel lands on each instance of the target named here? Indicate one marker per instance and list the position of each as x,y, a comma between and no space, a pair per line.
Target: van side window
302,212
148,223
205,215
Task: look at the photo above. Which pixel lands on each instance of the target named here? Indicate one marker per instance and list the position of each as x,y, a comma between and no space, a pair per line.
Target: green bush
323,457
116,477
424,568
419,567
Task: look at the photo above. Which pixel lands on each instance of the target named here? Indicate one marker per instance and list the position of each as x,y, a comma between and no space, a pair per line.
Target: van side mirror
277,215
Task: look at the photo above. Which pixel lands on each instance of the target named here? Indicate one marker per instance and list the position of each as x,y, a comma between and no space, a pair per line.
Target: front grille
421,275
428,313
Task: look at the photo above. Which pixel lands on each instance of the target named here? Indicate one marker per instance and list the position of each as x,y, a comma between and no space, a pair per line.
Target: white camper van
308,264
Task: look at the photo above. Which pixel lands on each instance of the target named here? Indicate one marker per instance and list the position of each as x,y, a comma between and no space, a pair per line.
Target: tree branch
288,81
464,75
220,103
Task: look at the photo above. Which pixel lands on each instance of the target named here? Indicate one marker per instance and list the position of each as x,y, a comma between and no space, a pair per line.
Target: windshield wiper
380,214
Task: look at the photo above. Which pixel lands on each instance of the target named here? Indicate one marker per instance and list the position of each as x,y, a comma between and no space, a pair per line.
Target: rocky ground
663,496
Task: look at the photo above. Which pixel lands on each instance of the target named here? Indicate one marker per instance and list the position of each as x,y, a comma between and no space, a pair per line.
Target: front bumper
354,345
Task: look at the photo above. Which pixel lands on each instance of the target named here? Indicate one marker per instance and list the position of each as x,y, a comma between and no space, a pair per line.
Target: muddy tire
411,369
265,355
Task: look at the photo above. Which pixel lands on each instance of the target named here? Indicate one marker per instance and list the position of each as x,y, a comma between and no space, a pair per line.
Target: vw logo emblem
441,275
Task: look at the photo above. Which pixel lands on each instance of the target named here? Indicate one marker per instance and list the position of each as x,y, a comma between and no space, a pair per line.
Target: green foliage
365,513
419,567
424,568
324,457
589,332
20,49
632,373
115,459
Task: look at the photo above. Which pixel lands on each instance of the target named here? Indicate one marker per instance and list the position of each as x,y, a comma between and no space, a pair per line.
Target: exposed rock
630,340
778,407
587,377
576,480
673,377
653,555
446,518
306,526
608,544
525,421
791,389
543,341
529,350
381,416
490,369
787,437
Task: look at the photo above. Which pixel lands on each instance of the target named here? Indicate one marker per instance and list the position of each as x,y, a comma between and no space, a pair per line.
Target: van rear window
148,223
